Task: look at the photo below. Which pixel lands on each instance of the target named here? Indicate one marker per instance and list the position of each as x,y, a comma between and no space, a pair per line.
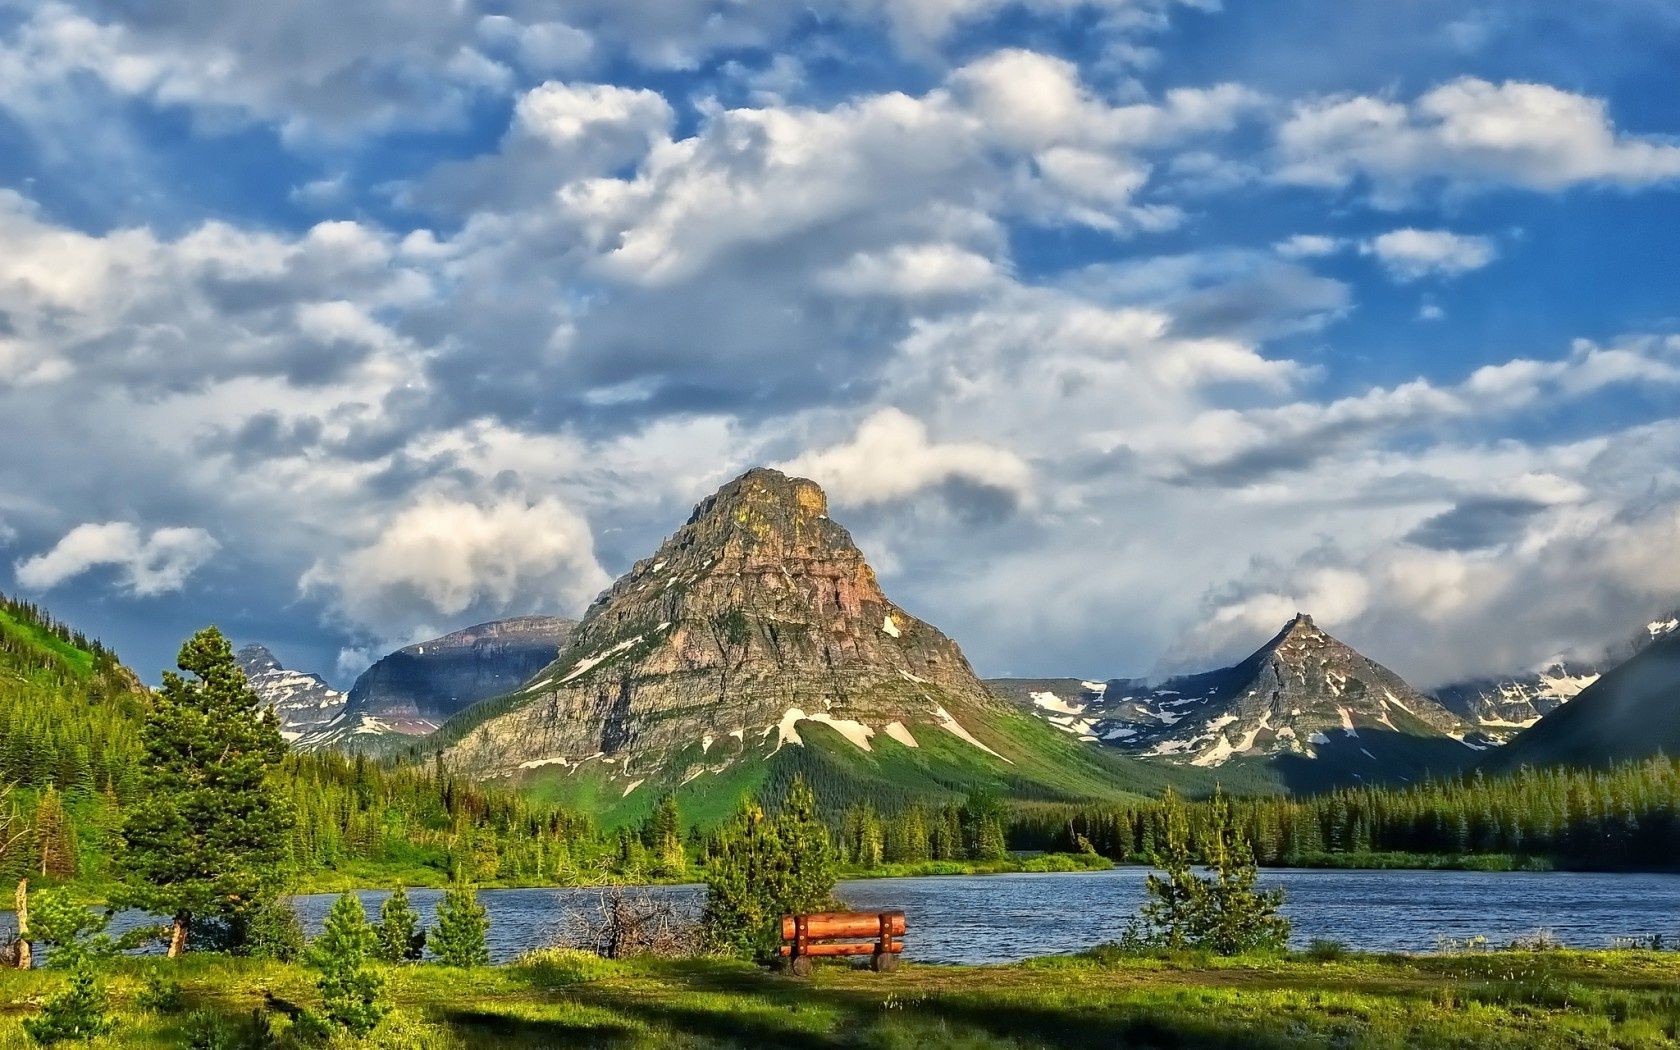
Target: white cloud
1411,254
1309,246
1468,134
146,565
891,457
442,557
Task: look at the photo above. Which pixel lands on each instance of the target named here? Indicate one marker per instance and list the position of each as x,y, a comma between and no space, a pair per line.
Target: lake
1001,918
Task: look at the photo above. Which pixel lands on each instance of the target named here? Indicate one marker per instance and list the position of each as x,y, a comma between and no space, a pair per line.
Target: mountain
756,642
410,692
1500,708
1305,705
304,703
1632,711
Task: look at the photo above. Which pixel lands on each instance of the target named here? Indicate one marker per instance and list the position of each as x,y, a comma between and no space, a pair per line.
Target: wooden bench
822,933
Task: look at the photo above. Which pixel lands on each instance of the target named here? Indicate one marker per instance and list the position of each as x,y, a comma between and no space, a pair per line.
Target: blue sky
1118,330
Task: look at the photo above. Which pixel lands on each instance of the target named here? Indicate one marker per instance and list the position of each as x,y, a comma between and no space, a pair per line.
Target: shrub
160,994
461,926
400,936
1323,950
78,1012
349,989
1220,911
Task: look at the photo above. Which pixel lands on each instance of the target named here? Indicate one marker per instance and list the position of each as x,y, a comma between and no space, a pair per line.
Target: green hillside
1044,765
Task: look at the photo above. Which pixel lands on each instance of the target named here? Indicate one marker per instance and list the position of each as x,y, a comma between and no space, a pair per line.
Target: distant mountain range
1310,708
757,641
410,692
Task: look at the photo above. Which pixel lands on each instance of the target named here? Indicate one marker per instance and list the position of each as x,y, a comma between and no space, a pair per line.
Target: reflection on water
998,918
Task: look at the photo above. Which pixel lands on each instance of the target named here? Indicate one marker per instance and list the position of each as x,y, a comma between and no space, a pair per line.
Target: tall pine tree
208,834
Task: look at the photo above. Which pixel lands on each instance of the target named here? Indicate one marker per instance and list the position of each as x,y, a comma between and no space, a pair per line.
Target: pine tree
764,869
400,936
458,939
349,987
208,834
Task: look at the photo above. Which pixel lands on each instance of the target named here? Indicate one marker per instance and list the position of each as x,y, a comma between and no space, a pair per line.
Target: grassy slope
1498,999
78,662
1044,765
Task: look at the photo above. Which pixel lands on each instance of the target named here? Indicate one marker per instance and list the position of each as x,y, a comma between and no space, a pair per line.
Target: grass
78,661
1529,999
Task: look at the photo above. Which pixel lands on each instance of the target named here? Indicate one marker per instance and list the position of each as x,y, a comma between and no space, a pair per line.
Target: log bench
833,933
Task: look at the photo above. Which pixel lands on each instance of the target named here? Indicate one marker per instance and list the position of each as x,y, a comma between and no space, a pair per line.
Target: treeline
1624,817
974,830
70,759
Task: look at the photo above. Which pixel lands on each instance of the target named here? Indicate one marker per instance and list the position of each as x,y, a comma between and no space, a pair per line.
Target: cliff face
756,619
417,688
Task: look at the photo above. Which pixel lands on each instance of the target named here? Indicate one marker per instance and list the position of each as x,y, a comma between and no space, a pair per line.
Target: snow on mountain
304,703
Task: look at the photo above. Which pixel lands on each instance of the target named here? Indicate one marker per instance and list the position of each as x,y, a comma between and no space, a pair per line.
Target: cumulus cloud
892,457
1468,134
145,564
1228,446
441,557
1411,254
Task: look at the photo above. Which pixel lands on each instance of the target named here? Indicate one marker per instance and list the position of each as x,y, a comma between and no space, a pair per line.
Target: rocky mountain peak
759,615
303,702
1302,695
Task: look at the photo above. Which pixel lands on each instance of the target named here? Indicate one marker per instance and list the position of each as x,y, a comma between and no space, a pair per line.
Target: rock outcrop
758,620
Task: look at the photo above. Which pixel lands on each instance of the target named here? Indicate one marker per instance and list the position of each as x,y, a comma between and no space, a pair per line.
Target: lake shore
1529,999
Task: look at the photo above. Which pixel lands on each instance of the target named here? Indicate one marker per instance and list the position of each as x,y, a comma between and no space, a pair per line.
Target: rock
304,703
757,619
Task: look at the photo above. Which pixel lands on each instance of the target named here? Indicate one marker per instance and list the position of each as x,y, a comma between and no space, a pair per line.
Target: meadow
1532,998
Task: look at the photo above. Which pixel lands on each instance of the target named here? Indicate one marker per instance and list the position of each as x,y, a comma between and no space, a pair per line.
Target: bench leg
800,965
883,962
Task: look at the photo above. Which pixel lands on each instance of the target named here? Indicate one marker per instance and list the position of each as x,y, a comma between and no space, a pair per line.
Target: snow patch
536,762
890,626
1052,702
955,728
633,785
898,732
591,661
908,677
706,743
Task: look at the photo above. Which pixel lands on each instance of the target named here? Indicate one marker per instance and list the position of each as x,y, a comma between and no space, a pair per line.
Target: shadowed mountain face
755,623
1631,712
417,688
1304,702
1500,708
304,703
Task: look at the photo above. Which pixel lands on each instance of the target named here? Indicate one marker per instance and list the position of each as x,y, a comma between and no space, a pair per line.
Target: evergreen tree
400,937
458,939
1220,911
349,986
76,939
208,834
761,870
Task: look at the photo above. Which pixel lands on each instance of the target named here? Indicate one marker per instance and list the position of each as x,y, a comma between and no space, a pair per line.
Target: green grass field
1530,999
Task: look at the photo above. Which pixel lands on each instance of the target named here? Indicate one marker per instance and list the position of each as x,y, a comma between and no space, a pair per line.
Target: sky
1117,330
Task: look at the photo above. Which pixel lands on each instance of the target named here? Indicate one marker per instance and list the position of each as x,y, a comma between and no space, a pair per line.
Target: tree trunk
178,935
23,953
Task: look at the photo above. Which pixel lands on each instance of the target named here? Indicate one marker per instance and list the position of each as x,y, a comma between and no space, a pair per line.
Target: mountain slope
1304,704
1500,708
304,703
754,638
410,692
1632,711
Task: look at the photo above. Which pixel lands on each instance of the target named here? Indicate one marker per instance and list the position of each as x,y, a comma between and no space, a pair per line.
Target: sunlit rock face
756,619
